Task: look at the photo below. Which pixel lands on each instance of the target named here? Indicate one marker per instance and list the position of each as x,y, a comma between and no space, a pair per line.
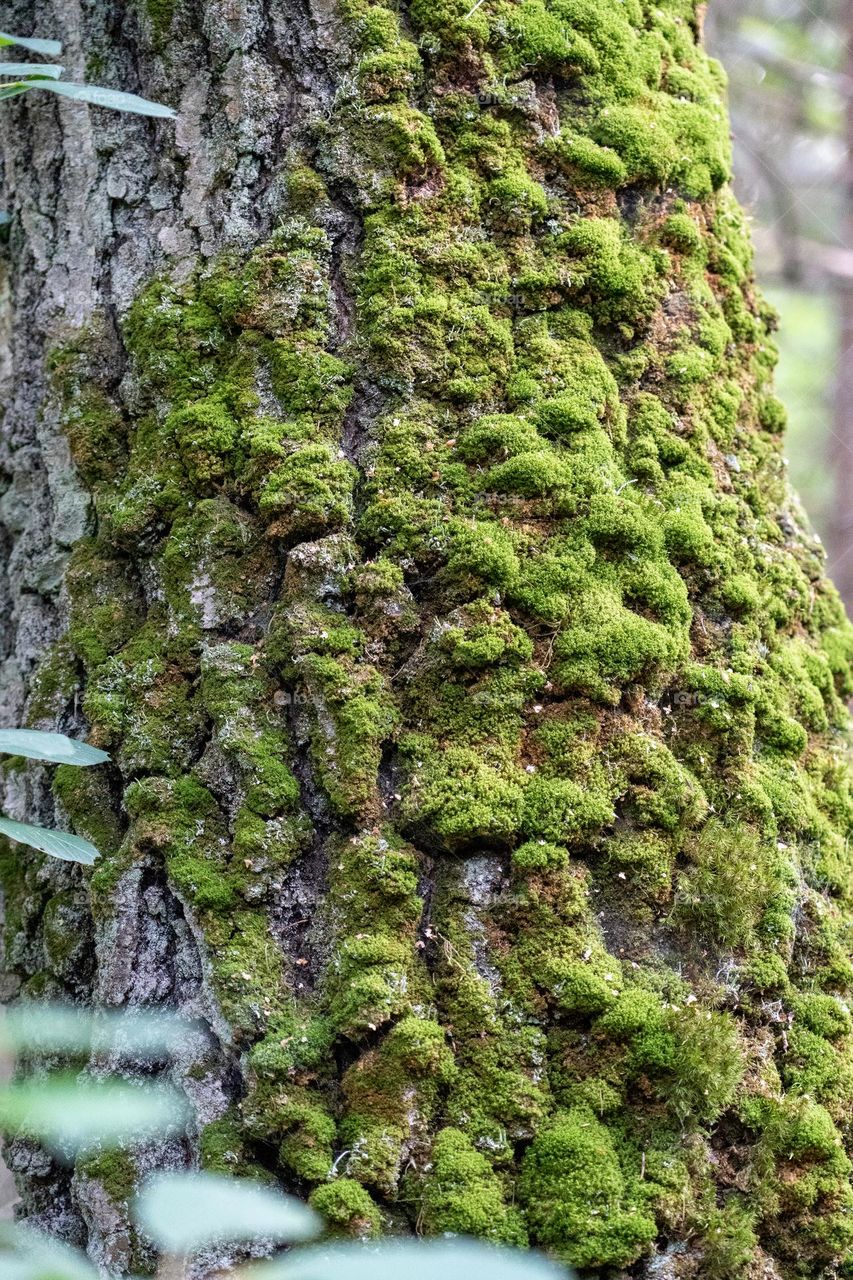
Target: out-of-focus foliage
182,1212
51,748
30,76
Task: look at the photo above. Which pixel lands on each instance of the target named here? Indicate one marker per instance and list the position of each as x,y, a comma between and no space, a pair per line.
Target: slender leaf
55,748
33,1256
48,47
98,97
182,1212
47,70
59,844
69,1115
409,1260
44,1027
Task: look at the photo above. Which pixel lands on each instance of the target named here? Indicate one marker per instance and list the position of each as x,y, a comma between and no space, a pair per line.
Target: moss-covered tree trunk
394,486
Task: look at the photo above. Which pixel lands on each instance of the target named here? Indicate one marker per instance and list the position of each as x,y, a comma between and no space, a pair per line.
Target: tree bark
393,485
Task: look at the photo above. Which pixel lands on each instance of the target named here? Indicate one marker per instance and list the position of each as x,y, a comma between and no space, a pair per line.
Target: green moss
585,160
410,1065
86,797
308,1146
354,718
536,603
517,201
465,1197
90,417
115,1171
223,1148
730,1242
558,810
824,1015
539,855
161,15
644,860
483,553
804,1167
739,888
105,611
577,1199
309,493
462,797
53,683
65,935
609,645
692,1057
348,1209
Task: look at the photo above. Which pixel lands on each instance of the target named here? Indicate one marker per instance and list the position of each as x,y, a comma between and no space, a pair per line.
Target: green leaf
47,70
70,1115
55,748
48,47
409,1260
45,1027
59,844
184,1212
33,1256
99,97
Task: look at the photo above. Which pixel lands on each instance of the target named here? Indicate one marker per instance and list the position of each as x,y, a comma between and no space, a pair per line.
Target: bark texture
393,484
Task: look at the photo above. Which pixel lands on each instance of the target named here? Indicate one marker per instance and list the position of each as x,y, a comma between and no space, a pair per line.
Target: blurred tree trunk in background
841,445
392,483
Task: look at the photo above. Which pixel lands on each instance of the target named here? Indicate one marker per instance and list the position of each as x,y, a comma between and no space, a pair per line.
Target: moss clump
54,682
803,1169
307,1147
461,797
577,1199
465,1197
692,1057
223,1148
730,1242
739,889
348,1209
410,1066
585,160
115,1171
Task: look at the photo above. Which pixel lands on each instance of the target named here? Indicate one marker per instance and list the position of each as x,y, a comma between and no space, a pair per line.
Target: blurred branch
817,262
805,72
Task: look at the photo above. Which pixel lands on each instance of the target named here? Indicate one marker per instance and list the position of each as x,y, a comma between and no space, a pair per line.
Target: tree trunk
393,485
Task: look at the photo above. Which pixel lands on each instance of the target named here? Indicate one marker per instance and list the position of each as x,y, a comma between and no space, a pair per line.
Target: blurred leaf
49,47
182,1212
49,70
59,844
43,1027
34,1256
409,1260
94,94
69,1115
54,748
5,218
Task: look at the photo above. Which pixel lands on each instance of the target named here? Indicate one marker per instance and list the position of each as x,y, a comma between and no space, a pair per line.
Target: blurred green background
805,378
790,79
